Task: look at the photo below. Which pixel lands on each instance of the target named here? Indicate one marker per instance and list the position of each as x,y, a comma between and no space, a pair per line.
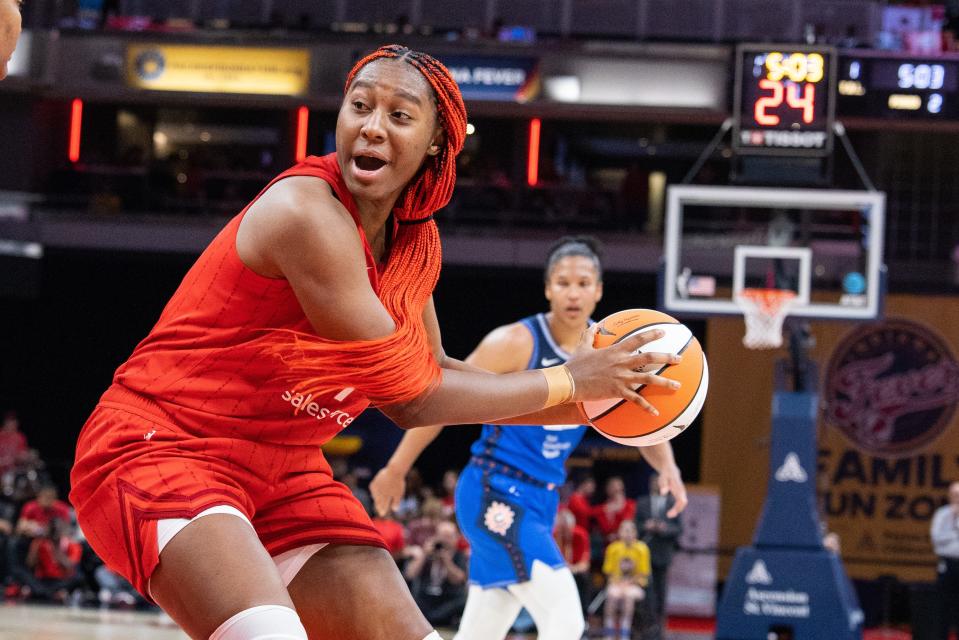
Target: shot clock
784,100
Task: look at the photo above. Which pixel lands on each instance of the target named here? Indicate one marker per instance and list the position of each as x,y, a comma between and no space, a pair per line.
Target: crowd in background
617,547
44,557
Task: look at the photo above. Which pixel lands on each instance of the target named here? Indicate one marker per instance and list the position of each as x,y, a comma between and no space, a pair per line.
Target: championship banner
218,69
889,446
495,78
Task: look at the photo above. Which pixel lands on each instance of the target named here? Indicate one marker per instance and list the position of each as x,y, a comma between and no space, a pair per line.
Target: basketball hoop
764,311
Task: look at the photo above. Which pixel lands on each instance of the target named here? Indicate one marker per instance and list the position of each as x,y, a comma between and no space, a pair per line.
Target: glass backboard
824,245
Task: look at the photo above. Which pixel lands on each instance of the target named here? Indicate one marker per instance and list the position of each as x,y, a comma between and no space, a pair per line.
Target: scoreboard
880,85
784,100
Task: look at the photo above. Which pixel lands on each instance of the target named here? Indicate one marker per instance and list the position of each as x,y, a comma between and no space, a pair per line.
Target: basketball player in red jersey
198,476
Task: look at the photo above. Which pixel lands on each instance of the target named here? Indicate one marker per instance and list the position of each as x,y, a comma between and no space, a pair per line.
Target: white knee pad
433,636
266,622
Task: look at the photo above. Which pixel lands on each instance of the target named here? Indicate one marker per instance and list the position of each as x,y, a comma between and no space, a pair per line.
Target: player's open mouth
369,163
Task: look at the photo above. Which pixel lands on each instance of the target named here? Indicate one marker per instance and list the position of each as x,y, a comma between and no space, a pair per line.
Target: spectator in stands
36,519
25,480
394,534
53,559
615,510
660,529
944,532
10,24
409,506
573,542
437,575
450,478
13,444
37,515
626,567
423,527
8,511
580,502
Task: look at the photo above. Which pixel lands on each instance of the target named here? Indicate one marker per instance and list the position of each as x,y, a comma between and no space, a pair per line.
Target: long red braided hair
401,366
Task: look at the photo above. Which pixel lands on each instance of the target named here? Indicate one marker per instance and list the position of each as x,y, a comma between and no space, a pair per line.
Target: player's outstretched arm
504,350
388,486
468,396
596,374
660,457
299,232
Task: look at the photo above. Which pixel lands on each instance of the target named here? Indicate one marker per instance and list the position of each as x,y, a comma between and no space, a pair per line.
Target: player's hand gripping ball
626,422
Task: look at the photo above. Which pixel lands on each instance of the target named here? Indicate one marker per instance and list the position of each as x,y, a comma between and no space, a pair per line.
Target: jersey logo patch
499,517
549,362
553,447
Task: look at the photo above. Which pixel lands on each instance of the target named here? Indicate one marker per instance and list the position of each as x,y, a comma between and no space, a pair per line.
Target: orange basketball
626,422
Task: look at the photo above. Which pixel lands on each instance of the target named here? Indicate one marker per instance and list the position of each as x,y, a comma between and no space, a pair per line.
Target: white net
764,311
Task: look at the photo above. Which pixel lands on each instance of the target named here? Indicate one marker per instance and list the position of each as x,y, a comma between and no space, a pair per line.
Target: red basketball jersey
204,362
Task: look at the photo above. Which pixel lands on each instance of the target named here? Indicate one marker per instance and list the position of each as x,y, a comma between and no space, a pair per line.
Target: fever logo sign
891,387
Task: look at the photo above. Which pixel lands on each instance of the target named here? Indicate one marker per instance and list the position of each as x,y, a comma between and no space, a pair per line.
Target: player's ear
439,139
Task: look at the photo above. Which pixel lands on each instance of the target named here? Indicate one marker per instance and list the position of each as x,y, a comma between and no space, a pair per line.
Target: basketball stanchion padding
626,422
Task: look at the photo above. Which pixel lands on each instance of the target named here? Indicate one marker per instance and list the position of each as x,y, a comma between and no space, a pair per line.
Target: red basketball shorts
135,466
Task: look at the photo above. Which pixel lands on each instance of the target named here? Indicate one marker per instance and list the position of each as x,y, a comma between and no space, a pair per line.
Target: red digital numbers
796,97
768,102
807,102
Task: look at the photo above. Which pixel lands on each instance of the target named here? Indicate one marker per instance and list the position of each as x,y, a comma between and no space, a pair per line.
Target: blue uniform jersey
538,451
506,497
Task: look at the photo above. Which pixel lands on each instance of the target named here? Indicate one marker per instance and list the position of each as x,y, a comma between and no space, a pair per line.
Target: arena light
302,129
532,163
76,124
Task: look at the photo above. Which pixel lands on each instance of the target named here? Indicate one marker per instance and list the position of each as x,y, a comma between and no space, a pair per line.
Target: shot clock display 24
784,102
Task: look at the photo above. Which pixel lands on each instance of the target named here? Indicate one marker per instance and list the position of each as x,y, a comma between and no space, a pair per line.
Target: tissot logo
311,408
892,387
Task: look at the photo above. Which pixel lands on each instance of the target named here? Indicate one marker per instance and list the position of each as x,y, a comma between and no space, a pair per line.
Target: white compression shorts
288,563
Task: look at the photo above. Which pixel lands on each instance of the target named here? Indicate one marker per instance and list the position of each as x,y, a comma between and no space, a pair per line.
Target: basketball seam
691,398
663,368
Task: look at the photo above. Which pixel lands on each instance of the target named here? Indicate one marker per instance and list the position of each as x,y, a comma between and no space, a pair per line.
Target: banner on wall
888,449
218,69
494,77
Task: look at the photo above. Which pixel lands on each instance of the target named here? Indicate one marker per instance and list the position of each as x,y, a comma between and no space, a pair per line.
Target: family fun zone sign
890,446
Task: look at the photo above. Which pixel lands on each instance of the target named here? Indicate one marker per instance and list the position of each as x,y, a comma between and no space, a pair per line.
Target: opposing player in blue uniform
507,498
